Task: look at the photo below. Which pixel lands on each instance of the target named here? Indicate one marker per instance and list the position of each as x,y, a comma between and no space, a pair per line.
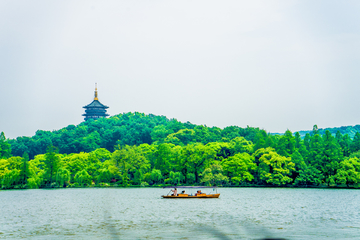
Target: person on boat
174,192
198,192
183,192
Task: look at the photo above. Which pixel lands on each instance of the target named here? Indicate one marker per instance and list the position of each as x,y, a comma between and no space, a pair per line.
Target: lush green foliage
144,150
123,129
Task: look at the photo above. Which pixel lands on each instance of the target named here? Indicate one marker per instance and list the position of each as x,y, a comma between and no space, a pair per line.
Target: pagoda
95,109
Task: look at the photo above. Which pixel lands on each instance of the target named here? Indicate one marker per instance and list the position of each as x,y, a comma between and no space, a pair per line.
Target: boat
198,194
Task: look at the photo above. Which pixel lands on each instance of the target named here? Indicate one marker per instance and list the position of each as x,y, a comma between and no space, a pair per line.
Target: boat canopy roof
190,187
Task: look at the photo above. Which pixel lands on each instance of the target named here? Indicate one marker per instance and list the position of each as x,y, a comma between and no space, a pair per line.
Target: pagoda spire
96,95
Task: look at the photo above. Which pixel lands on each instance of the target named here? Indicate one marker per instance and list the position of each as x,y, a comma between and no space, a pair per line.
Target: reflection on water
140,213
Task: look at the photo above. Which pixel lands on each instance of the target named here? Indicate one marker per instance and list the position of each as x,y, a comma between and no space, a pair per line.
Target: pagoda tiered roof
95,104
95,109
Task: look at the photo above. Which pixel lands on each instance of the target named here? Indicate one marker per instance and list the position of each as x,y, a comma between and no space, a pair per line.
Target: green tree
316,152
315,130
349,172
175,178
10,178
286,144
82,178
159,133
260,140
355,145
182,137
51,161
10,172
62,177
300,146
5,148
240,145
273,168
4,166
75,162
129,160
213,176
195,157
156,176
36,169
222,149
101,154
25,168
148,151
89,142
298,140
307,139
332,156
345,143
308,176
163,156
239,168
104,175
203,134
299,162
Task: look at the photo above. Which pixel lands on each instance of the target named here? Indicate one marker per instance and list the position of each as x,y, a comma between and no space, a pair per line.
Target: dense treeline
124,129
188,154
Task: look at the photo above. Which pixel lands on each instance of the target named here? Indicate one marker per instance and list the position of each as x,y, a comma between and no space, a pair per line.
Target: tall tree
239,168
196,157
345,143
213,176
128,160
349,172
274,169
286,144
62,177
260,140
307,139
355,145
163,157
25,168
316,152
298,141
300,146
51,161
240,145
299,162
332,156
5,148
315,130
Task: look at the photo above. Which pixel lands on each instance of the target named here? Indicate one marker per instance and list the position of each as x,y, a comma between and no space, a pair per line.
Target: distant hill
350,130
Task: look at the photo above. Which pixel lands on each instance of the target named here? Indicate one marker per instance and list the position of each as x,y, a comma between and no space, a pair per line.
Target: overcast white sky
276,65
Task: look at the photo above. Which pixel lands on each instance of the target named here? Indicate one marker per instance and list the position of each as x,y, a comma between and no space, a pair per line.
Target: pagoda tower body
95,109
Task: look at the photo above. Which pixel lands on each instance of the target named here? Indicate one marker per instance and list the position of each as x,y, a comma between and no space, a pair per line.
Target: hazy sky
276,65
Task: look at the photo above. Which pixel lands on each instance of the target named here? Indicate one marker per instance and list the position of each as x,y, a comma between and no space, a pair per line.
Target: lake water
140,213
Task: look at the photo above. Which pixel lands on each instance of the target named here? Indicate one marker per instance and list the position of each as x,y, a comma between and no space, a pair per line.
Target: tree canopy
135,149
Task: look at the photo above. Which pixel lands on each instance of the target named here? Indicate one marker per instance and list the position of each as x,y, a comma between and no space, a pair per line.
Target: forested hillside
135,149
125,129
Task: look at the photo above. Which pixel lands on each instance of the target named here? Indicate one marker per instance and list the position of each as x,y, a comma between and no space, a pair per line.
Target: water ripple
140,213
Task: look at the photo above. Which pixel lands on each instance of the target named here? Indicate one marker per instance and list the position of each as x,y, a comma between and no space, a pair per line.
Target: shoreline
161,186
